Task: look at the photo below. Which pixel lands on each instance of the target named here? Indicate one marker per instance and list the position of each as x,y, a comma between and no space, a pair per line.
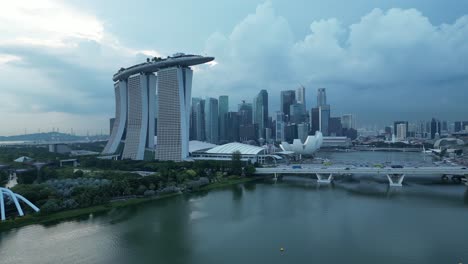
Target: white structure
401,131
300,96
24,159
120,89
174,94
348,121
135,100
224,152
59,148
311,144
336,142
14,197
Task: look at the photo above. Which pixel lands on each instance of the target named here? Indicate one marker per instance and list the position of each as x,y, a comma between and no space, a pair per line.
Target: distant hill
50,137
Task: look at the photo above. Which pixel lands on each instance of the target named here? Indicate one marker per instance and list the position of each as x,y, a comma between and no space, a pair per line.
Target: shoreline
32,219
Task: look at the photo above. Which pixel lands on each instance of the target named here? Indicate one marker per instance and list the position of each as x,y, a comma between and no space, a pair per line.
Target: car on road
397,167
296,166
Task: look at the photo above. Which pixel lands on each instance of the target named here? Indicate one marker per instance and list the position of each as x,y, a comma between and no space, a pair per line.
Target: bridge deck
360,170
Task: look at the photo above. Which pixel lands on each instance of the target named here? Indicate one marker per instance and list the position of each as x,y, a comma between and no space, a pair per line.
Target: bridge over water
395,176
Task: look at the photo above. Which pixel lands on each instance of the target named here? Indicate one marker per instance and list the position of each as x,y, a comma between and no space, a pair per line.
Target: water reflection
364,220
237,192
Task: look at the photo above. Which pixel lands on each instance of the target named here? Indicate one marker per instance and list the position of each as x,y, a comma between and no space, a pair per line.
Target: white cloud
56,58
398,51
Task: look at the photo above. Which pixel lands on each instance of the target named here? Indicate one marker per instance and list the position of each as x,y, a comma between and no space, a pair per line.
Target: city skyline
68,59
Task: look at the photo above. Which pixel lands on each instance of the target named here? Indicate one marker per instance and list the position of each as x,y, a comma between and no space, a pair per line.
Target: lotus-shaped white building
311,144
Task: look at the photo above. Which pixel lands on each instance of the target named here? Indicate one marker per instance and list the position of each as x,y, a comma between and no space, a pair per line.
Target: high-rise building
444,126
245,113
287,99
402,130
348,121
302,131
194,118
324,117
321,97
458,126
261,112
290,132
279,126
396,123
211,120
135,96
297,113
200,121
300,96
141,90
335,127
248,132
435,128
174,98
314,120
111,125
232,129
223,104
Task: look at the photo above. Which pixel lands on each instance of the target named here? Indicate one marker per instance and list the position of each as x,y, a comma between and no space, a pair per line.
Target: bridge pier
324,178
395,180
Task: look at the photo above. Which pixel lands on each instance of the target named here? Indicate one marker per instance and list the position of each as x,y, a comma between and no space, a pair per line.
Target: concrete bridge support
324,178
395,180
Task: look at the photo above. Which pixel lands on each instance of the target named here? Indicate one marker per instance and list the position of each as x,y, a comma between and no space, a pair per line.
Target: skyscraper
232,122
348,121
324,117
140,124
402,130
223,109
395,124
321,97
261,112
300,96
287,99
174,98
211,120
314,120
135,97
245,113
297,112
197,119
335,127
435,128
279,126
200,121
302,131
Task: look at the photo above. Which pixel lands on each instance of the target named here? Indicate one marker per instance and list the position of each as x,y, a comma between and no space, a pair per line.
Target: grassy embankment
68,214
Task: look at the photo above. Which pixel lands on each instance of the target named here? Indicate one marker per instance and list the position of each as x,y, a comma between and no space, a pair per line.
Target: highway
364,170
395,176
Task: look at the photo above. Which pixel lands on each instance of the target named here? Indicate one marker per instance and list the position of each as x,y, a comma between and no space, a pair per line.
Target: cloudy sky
381,60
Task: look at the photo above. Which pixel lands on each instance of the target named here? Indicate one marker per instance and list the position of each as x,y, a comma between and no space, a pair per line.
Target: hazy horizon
381,61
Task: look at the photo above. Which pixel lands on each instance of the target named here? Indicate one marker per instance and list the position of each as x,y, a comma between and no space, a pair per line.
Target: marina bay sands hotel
135,100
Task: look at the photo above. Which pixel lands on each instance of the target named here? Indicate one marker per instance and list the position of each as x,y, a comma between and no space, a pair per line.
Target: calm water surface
353,221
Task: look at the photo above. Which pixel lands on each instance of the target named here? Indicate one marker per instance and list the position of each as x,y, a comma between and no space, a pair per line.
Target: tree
51,206
3,178
236,163
249,170
27,177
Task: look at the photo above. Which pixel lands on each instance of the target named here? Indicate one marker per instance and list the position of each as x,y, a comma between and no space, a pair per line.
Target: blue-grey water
352,221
